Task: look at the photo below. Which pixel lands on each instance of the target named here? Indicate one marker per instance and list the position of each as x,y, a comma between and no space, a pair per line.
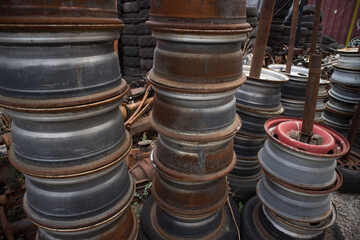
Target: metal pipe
299,22
125,108
315,27
292,37
139,107
134,106
311,98
136,117
267,10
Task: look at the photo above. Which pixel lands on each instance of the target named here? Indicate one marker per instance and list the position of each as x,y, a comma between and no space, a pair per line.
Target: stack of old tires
293,92
138,45
146,41
129,50
344,96
286,35
330,44
251,17
276,38
294,196
257,100
197,71
60,82
307,21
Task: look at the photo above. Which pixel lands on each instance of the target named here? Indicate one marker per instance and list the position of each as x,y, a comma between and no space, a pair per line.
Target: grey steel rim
57,56
349,58
292,204
194,112
262,93
298,169
297,229
247,147
297,73
346,77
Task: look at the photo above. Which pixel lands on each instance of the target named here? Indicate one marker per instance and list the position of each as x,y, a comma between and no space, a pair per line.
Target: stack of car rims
62,86
257,100
197,70
295,192
345,93
293,92
344,97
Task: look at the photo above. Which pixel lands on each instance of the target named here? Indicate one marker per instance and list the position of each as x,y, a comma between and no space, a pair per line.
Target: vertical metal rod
292,36
299,22
311,97
315,27
267,10
353,132
352,22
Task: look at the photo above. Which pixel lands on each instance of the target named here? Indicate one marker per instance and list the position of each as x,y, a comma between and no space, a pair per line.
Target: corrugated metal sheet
337,18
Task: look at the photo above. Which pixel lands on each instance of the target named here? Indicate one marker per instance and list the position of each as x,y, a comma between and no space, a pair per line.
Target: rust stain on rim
167,236
199,87
58,15
185,211
205,136
176,175
282,218
198,15
67,104
84,224
261,111
85,169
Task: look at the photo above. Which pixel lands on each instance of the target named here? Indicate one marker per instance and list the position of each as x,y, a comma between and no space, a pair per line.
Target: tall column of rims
295,191
60,81
341,107
293,92
197,70
345,93
257,100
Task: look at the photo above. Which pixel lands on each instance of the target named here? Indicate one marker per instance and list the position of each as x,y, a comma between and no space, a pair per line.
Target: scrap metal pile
210,134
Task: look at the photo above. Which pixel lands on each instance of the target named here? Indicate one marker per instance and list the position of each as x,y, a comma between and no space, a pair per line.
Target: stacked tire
286,35
251,17
137,43
276,39
307,21
129,53
146,42
330,44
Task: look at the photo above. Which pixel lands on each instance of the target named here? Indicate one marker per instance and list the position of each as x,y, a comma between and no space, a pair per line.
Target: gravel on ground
348,217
